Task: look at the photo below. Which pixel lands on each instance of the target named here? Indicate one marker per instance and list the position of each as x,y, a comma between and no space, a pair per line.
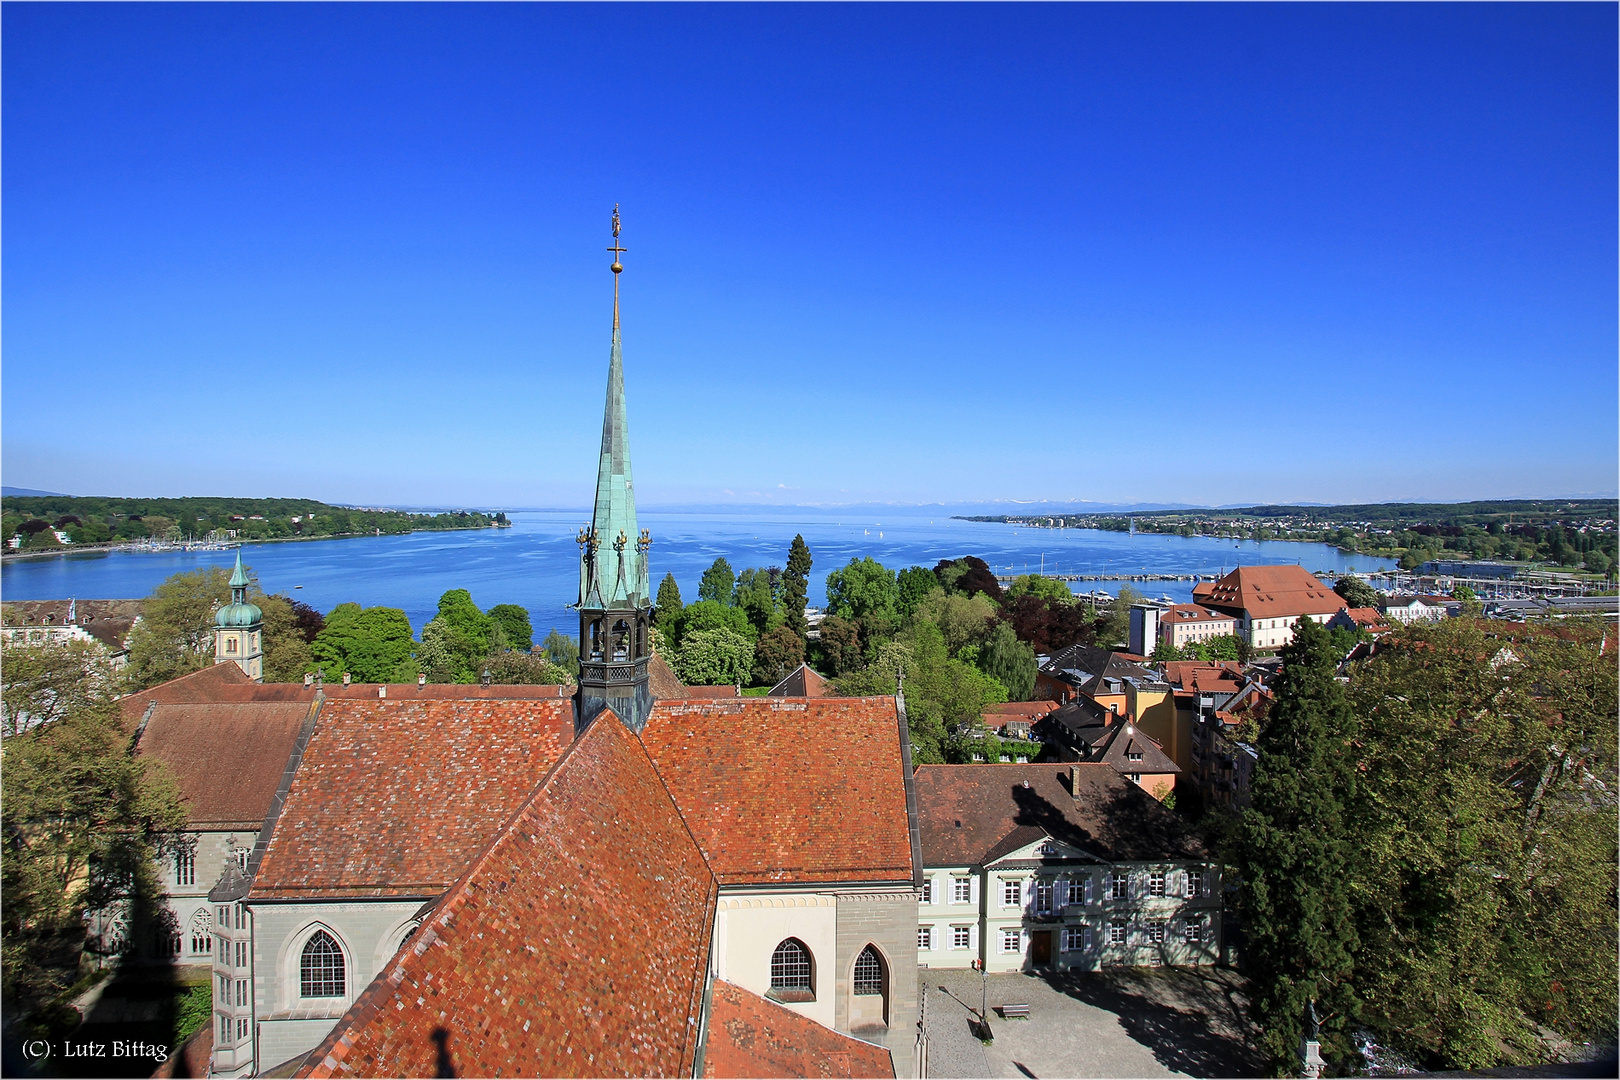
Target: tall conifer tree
669,602
796,587
1294,854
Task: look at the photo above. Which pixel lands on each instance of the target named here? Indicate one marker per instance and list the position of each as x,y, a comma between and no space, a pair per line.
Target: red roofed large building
1266,601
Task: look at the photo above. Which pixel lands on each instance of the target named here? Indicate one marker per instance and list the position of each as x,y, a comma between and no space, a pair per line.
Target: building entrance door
1040,948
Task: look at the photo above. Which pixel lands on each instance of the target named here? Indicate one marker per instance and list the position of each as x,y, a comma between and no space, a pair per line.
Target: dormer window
1133,756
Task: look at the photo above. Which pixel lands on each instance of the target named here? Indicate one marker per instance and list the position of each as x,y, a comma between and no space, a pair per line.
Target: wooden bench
1013,1012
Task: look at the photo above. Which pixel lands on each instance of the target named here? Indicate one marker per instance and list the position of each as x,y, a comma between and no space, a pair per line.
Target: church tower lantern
615,608
239,628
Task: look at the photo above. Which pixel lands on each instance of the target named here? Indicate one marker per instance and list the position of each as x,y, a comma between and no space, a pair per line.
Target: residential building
104,622
1189,624
1365,619
802,681
1029,867
1266,602
1412,609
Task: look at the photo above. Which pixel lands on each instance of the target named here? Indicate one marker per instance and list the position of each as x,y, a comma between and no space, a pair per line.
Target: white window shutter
973,889
973,936
1088,888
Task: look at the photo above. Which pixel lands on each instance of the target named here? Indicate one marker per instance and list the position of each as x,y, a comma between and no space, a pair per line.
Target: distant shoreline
113,549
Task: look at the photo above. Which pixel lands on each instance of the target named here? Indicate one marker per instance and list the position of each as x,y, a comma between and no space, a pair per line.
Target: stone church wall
889,921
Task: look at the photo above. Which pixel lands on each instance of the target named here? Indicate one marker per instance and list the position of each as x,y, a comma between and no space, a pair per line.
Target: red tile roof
661,679
203,685
749,1036
392,797
194,1058
788,789
1267,592
1032,710
709,692
1219,677
575,945
802,681
227,759
1192,613
972,814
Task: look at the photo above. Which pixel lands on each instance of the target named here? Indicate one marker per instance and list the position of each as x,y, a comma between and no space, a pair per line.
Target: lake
536,562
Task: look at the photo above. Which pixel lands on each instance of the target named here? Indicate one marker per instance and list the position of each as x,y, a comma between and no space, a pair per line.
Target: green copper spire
613,570
238,613
239,580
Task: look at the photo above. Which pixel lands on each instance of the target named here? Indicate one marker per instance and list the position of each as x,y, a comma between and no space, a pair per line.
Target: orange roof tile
1210,677
227,759
788,789
750,1036
661,679
1034,710
1267,592
1192,613
575,945
201,685
392,797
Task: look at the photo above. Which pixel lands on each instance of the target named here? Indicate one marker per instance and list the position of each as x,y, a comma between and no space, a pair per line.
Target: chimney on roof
382,690
1026,783
1074,781
309,678
319,675
421,680
345,678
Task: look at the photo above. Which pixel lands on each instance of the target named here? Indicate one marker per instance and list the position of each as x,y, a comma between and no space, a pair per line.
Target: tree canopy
372,644
718,583
796,586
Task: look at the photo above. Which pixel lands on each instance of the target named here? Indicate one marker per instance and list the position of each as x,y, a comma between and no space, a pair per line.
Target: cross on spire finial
617,267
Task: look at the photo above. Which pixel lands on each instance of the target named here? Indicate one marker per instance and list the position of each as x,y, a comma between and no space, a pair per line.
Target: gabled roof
1028,710
1086,660
202,685
750,1036
1266,592
576,943
1366,617
227,759
971,814
661,679
802,681
392,797
1191,613
788,790
1219,677
1100,736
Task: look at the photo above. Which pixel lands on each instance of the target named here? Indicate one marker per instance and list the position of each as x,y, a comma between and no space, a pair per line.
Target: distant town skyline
1201,255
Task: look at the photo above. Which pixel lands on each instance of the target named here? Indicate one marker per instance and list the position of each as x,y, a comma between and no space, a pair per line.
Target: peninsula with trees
45,523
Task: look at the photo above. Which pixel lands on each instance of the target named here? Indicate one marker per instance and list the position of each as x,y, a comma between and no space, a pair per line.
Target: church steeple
614,606
239,628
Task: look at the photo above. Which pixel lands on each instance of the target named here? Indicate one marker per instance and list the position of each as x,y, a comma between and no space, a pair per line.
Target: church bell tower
615,608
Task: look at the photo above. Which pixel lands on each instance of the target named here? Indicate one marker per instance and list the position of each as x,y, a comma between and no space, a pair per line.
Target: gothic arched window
793,976
621,640
202,932
320,968
869,972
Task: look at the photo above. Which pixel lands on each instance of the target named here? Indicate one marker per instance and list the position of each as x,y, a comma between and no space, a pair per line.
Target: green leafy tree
778,652
839,645
1009,661
1469,599
84,823
48,681
1485,830
1116,631
1165,652
1355,592
718,583
525,669
561,650
515,625
1292,854
1041,587
669,602
714,657
914,585
712,615
175,634
756,596
796,587
372,644
42,540
286,653
866,592
964,621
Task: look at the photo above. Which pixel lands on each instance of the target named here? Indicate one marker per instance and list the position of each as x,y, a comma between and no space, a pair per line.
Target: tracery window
868,972
792,971
202,932
320,968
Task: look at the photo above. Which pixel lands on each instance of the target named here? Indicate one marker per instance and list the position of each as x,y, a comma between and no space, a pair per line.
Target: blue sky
1158,253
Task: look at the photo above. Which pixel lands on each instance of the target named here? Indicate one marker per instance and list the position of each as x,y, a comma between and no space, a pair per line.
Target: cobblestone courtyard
1130,1022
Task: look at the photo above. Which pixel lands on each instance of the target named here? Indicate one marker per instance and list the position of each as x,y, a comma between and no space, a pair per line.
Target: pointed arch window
320,968
202,932
793,974
869,972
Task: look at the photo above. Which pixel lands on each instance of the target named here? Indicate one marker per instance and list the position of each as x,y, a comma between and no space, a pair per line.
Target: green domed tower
239,628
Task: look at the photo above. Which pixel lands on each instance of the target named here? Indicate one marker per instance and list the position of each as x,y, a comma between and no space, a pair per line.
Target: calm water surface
536,562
